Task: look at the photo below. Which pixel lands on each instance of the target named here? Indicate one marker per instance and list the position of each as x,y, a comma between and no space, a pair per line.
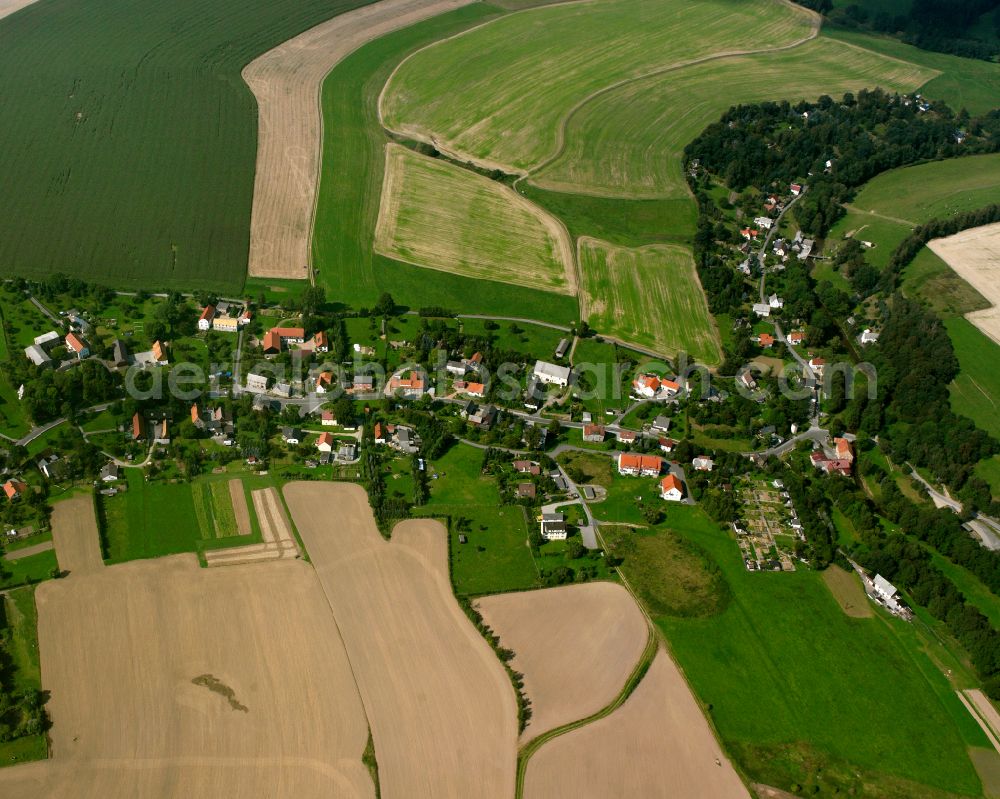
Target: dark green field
351,186
131,138
795,687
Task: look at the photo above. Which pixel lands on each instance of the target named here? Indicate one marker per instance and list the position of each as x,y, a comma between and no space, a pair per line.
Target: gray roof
37,355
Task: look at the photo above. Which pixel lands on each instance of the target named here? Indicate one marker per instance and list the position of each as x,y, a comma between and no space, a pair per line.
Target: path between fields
287,82
27,552
868,212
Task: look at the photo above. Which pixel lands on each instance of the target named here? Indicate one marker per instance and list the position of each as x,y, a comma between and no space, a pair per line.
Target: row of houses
224,317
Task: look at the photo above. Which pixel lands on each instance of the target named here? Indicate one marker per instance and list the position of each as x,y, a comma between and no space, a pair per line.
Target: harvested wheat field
657,744
286,82
275,529
975,256
240,510
8,7
576,646
440,216
442,711
847,590
75,535
168,680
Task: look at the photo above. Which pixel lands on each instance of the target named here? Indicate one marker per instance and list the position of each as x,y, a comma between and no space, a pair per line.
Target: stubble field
650,296
575,645
168,680
440,216
975,256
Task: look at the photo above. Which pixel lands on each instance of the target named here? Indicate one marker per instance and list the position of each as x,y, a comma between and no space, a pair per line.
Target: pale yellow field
442,710
240,509
975,256
650,296
847,590
8,7
168,680
443,217
74,533
657,744
575,645
286,82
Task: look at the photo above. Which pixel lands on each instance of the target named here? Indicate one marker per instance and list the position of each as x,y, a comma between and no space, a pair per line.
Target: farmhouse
817,364
363,384
110,472
321,342
37,355
830,465
550,373
795,189
475,389
13,489
159,353
627,436
661,424
205,320
762,309
525,490
482,416
291,435
553,527
746,379
278,337
47,340
77,346
327,419
594,433
766,340
257,383
796,337
456,368
120,354
703,464
671,488
324,382
868,336
763,222
411,387
634,465
667,444
844,450
775,301
325,442
527,467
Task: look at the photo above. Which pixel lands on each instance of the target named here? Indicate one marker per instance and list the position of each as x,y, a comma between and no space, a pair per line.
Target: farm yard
658,737
242,669
442,710
576,646
521,75
124,175
629,142
443,217
650,296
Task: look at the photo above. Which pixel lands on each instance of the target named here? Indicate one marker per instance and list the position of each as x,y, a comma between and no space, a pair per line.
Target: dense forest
969,28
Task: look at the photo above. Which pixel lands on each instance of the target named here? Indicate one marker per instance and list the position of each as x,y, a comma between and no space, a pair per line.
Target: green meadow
132,138
976,391
795,687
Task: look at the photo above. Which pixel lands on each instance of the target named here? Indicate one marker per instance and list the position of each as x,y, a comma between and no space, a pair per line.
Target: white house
256,383
817,364
553,527
762,309
671,488
868,336
206,318
703,464
763,222
325,442
775,301
550,373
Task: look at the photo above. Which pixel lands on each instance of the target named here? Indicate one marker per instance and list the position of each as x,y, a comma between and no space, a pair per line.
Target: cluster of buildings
224,316
838,460
398,437
654,387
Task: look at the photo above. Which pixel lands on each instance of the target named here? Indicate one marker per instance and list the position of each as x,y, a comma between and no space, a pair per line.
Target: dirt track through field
240,510
442,711
74,532
657,744
287,82
575,645
168,680
974,255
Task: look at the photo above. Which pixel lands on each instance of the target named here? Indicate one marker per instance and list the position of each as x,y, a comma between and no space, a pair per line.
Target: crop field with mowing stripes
438,215
629,142
522,74
131,137
214,509
649,296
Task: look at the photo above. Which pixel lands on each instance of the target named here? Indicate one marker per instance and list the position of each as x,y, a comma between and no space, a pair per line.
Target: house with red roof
633,464
671,488
13,489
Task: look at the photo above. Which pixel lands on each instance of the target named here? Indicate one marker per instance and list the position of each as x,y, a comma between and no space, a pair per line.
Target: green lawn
990,472
20,646
351,186
629,142
650,296
522,74
27,570
532,340
976,391
792,685
972,587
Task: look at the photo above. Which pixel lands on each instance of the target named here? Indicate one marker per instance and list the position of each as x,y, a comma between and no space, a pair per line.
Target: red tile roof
14,488
643,463
671,481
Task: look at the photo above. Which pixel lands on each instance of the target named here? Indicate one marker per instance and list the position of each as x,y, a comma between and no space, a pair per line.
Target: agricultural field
125,176
442,711
775,665
629,142
976,391
974,255
521,75
285,82
576,646
649,296
351,185
213,507
239,666
658,737
443,217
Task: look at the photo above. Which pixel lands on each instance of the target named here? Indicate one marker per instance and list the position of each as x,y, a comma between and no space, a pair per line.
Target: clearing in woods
975,256
444,217
575,645
847,590
169,680
442,711
659,737
522,74
629,142
286,82
649,296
